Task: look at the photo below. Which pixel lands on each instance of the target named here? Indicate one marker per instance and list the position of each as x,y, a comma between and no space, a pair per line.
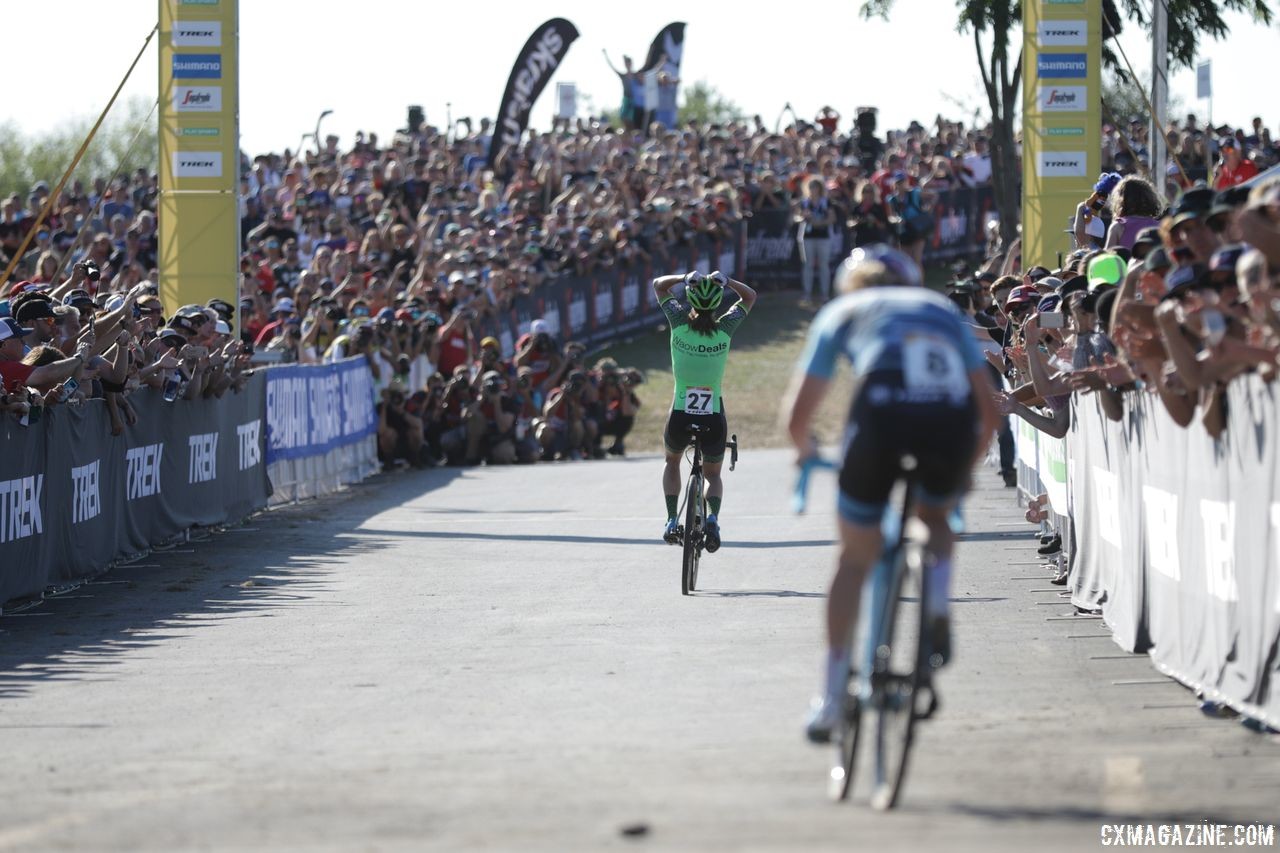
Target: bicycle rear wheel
899,678
693,515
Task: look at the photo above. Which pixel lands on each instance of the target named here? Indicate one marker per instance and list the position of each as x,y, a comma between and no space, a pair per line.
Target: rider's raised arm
663,285
746,293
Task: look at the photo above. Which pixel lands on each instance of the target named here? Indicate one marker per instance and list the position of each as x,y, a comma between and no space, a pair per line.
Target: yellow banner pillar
199,219
1061,121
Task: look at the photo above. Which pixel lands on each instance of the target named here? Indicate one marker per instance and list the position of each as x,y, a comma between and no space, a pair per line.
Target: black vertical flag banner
538,60
669,42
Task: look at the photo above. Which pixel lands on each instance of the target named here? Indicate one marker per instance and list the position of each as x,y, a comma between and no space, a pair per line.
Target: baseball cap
11,328
1147,237
35,309
1052,282
79,299
1023,293
1156,261
1264,194
1184,278
1227,201
490,341
1049,302
1105,269
222,328
1195,203
1223,262
1075,284
284,305
456,277
171,337
538,327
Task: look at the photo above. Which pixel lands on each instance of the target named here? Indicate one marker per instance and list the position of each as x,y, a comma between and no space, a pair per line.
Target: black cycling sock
714,503
673,505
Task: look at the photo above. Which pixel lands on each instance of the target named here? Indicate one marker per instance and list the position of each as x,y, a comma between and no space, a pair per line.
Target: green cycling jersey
698,360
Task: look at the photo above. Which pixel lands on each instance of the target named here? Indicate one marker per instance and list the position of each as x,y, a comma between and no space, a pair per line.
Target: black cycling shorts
940,433
677,435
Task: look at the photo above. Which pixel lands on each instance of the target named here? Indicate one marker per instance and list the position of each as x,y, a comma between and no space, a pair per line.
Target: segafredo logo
1062,65
1062,34
197,99
197,66
1062,99
197,34
197,164
1061,164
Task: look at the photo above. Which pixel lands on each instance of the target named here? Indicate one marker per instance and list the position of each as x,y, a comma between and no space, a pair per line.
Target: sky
368,61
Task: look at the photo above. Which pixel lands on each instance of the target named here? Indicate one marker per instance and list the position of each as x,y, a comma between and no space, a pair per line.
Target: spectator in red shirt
1235,170
15,375
280,315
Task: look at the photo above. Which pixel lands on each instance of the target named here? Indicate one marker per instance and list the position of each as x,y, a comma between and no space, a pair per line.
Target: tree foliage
705,104
28,158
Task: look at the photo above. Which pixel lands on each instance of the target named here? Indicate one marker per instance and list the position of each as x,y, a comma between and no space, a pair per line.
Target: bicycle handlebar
800,498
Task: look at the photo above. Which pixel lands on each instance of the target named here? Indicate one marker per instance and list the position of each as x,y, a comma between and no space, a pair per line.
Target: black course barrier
75,499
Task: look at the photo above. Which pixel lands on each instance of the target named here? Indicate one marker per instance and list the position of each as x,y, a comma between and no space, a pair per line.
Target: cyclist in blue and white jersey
921,389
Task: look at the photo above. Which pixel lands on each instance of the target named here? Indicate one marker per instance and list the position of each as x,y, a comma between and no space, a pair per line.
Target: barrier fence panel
1178,540
321,427
74,499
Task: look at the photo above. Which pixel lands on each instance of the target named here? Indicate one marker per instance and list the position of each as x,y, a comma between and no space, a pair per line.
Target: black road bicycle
692,533
895,651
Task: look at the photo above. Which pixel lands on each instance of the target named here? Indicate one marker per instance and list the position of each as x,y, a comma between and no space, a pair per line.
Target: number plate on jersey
697,401
931,366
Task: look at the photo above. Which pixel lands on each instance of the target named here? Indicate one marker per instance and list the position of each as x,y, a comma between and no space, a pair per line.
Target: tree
1123,96
703,103
45,156
1188,21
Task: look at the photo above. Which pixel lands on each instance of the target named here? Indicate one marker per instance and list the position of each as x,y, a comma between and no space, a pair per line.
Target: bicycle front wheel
693,515
899,676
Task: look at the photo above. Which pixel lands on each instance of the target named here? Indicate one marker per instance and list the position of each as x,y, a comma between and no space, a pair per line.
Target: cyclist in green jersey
699,352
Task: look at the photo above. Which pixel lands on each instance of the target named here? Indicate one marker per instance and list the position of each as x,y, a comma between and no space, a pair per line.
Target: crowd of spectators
1170,300
403,252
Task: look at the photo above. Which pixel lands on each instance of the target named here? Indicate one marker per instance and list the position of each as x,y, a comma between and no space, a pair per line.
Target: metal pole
1159,92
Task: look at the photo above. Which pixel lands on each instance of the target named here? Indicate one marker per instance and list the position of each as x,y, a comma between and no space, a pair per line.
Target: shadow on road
243,573
759,593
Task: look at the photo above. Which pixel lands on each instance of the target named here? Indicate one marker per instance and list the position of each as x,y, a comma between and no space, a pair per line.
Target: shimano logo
1062,65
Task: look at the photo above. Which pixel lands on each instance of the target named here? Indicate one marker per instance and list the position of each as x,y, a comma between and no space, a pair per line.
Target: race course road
501,659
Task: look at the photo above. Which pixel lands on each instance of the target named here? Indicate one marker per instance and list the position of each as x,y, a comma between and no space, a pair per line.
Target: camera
91,270
493,386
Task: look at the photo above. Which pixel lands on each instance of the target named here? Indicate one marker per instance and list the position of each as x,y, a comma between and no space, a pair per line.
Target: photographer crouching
562,431
491,423
400,434
616,404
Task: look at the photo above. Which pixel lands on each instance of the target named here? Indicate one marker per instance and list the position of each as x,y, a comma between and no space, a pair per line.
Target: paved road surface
502,659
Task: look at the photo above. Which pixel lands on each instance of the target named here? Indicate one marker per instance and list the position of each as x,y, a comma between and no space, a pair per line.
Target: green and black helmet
704,292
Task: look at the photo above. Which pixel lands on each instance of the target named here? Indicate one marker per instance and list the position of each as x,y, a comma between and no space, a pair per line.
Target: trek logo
197,66
1062,65
1062,164
250,438
20,508
197,99
197,34
1062,34
86,502
202,464
197,164
1219,520
1063,99
700,349
604,306
142,471
577,313
1160,509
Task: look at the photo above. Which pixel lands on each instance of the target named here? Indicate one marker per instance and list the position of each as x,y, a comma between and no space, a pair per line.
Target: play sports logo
1062,34
197,99
1062,99
1062,164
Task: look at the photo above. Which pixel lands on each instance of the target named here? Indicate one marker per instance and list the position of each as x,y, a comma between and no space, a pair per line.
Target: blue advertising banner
312,409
